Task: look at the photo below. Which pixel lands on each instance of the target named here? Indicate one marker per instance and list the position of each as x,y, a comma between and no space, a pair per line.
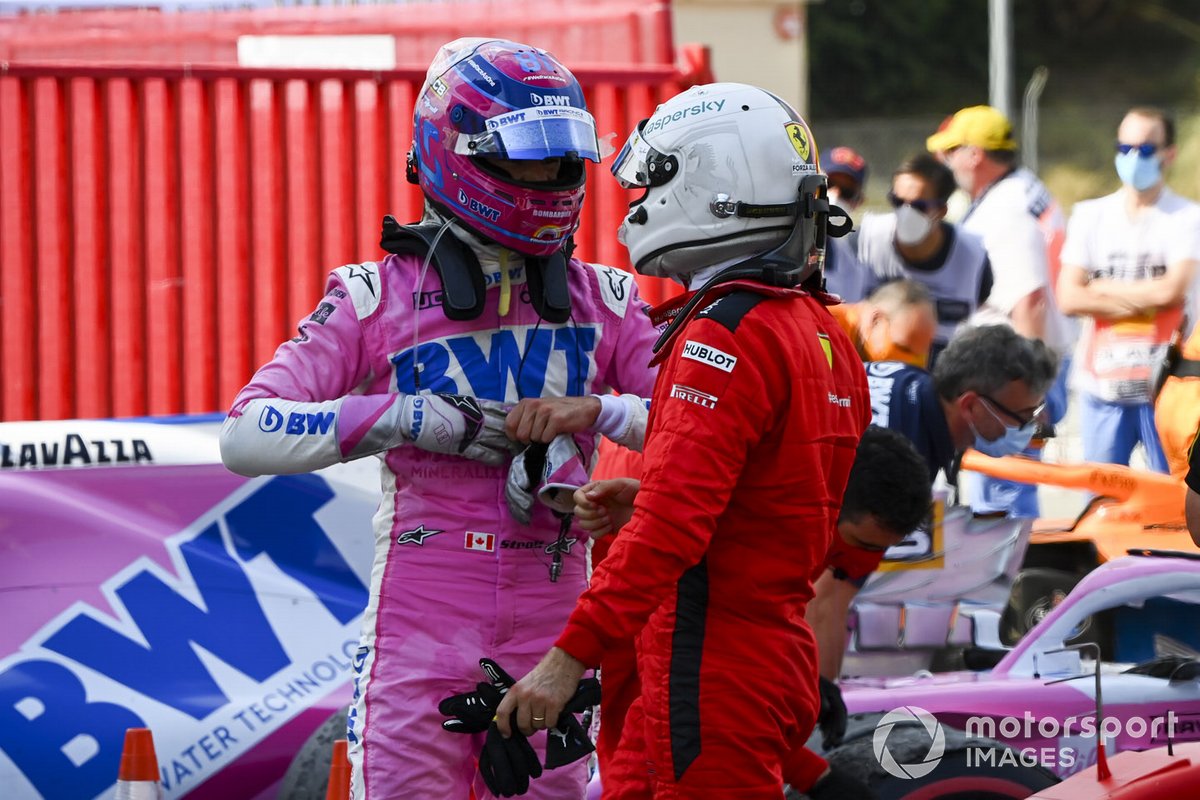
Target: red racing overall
756,418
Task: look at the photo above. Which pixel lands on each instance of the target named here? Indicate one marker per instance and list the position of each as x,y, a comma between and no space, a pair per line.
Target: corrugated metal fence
163,228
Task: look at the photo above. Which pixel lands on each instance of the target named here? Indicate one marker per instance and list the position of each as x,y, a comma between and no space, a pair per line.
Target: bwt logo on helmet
911,717
511,118
477,208
706,107
298,424
707,354
550,99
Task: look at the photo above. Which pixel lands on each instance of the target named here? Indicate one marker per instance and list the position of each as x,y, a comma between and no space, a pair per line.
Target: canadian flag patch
481,541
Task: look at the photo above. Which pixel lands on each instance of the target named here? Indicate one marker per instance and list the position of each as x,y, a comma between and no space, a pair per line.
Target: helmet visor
639,165
630,166
533,134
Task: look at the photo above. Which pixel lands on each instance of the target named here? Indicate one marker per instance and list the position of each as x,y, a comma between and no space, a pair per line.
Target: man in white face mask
916,243
1128,264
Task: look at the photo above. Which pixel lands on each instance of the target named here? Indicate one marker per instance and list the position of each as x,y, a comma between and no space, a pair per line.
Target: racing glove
456,425
473,712
549,472
832,716
568,741
506,765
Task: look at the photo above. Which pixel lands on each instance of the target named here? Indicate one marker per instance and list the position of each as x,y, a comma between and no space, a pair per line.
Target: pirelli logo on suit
695,396
707,354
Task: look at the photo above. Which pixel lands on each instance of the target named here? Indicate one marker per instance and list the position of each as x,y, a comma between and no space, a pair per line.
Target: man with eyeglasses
915,242
1022,228
1128,264
986,391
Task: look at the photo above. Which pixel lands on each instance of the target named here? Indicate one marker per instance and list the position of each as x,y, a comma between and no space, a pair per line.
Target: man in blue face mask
1128,263
987,391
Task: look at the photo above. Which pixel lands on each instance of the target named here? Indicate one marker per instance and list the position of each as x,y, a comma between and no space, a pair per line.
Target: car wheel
308,776
1035,593
966,769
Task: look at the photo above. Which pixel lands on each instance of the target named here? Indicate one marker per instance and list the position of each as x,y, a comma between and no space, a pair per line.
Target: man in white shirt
1128,264
1021,228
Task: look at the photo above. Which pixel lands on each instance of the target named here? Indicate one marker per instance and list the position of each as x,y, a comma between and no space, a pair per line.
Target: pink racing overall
454,577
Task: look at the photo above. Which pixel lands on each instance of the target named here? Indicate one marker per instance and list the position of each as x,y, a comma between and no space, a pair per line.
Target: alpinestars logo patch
364,274
417,535
564,547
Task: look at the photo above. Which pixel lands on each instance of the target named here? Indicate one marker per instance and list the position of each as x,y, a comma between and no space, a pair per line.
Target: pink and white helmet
488,99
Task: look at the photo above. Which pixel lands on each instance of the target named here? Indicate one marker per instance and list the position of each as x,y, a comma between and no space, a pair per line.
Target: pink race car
1032,719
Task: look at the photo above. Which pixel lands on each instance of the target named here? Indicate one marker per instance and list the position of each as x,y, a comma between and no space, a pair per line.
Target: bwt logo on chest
508,364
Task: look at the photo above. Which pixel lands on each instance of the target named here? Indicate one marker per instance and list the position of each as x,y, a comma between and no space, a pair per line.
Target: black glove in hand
473,712
832,717
506,765
568,741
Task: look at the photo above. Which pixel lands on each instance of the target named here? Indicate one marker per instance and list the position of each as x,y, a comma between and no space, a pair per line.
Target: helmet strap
548,290
463,289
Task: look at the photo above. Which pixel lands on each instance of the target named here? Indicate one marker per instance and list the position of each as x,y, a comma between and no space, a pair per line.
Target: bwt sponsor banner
209,608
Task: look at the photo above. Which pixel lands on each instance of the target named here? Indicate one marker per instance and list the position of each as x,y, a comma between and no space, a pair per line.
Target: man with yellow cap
1022,230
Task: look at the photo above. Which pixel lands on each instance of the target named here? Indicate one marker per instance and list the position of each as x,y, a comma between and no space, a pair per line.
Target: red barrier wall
162,229
579,31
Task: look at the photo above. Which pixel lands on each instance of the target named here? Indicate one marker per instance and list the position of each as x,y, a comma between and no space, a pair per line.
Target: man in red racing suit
756,416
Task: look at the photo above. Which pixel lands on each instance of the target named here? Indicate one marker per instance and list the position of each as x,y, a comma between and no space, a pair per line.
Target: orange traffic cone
339,773
138,777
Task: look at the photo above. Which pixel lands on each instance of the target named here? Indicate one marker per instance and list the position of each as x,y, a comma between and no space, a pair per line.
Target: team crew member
757,412
415,359
986,391
1192,504
896,323
1177,406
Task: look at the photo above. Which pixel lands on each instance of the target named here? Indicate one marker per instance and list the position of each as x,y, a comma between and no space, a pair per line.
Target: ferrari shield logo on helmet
798,136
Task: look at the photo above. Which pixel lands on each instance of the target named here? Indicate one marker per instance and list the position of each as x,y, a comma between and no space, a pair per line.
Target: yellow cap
979,126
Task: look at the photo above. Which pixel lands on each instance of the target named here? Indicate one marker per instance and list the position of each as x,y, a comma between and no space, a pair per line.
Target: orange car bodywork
1132,509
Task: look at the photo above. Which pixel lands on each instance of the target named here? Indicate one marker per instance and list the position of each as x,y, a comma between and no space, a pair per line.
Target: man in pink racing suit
416,359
